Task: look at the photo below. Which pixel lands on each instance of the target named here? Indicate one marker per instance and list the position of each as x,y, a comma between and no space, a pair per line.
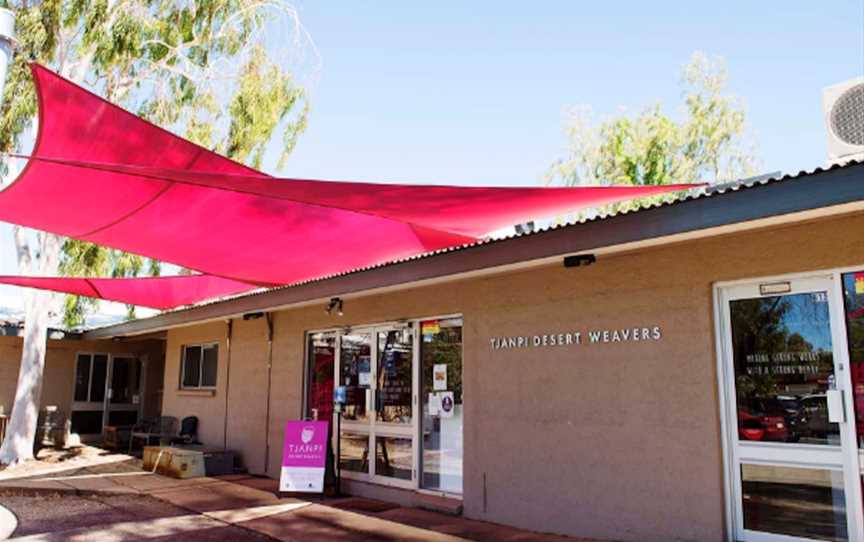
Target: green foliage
650,148
199,68
266,97
37,29
80,258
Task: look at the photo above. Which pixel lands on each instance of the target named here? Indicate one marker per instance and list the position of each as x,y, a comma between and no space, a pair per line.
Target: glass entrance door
124,394
792,447
88,396
376,366
107,391
853,309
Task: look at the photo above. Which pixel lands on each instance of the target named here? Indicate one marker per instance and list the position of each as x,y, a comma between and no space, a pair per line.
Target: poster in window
447,404
434,405
439,377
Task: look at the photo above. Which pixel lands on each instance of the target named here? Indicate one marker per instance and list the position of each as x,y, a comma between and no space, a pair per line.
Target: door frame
415,484
372,428
851,465
138,407
104,406
90,406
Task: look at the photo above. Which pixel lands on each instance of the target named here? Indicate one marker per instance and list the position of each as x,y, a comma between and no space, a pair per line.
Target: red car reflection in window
763,419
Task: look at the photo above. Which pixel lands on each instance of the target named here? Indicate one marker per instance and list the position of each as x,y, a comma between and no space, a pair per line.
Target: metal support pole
338,452
269,317
228,333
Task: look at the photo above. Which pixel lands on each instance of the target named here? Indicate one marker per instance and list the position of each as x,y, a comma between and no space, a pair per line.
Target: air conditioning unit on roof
843,105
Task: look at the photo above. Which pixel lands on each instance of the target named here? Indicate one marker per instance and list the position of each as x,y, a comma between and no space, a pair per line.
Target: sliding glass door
402,418
377,438
126,376
441,395
91,386
107,391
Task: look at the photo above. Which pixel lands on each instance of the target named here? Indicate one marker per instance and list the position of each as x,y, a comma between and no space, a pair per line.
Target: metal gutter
722,206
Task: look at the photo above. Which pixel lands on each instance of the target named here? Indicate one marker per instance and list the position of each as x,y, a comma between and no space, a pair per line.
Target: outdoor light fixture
335,303
579,260
253,315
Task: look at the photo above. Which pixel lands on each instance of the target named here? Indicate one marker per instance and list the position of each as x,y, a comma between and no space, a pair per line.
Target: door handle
836,411
368,399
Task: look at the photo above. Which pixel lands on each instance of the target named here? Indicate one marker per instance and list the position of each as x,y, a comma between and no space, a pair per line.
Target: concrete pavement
123,502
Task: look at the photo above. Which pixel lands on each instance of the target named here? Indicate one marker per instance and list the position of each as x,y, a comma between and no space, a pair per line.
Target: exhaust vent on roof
844,116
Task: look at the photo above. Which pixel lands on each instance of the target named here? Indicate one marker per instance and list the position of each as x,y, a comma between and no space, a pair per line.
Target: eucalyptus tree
219,72
708,142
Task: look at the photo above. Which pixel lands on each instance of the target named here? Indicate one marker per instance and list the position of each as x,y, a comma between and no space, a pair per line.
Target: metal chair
52,429
163,428
188,431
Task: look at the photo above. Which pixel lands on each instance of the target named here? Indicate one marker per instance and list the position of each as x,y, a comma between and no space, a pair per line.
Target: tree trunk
21,430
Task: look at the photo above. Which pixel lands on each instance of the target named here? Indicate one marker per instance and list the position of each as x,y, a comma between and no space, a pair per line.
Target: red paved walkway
201,507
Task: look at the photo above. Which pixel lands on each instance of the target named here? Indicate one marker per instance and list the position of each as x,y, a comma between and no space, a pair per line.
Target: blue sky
473,92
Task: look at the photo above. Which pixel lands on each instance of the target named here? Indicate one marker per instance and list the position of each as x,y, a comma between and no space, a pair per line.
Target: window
441,393
784,363
319,390
198,367
91,371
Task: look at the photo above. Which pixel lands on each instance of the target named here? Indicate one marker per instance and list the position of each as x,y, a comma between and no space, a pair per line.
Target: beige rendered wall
59,376
10,361
247,426
208,406
617,441
245,379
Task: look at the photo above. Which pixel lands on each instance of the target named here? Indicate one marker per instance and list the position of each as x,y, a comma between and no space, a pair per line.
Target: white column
7,42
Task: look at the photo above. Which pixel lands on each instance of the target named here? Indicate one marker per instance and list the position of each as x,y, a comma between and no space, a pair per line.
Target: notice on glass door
447,404
304,457
434,404
439,377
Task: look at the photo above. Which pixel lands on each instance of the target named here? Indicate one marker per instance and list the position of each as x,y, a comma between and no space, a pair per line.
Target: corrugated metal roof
698,193
706,191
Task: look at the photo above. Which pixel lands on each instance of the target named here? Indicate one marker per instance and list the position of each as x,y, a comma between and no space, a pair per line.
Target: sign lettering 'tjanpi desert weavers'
576,338
304,457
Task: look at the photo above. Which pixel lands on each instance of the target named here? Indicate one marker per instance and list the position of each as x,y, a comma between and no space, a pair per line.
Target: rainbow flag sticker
431,327
859,283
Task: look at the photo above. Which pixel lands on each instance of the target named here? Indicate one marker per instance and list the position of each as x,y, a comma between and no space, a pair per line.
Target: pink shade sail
472,211
154,292
103,175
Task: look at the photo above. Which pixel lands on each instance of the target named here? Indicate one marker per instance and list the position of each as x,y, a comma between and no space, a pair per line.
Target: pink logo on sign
305,444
